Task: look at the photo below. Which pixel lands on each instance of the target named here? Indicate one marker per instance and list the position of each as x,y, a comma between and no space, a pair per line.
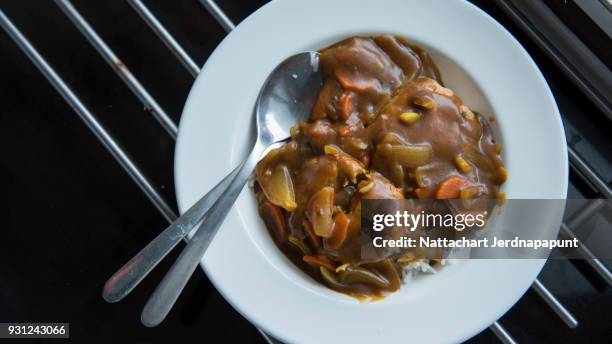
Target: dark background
72,216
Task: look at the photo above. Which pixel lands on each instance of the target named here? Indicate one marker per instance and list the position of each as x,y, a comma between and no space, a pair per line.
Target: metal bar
501,333
218,14
579,217
587,255
267,337
607,4
572,56
585,213
599,13
553,303
118,66
86,116
579,164
165,36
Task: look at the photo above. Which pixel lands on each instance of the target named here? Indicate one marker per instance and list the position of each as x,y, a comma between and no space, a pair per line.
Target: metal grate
578,164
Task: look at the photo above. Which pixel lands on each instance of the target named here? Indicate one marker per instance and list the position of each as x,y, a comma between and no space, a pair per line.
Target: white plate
479,59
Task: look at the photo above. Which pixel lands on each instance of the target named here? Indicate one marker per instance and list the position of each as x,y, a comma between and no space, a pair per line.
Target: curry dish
383,127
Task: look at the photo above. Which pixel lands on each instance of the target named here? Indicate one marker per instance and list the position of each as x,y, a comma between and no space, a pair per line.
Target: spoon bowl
288,95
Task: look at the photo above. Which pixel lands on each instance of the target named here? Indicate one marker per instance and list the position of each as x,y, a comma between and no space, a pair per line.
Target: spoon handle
134,271
168,291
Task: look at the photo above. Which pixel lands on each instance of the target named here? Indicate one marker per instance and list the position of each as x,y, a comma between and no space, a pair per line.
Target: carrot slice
346,106
353,83
274,218
318,261
313,238
451,187
341,224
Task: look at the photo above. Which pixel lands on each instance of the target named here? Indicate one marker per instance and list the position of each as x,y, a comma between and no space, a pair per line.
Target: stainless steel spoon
286,98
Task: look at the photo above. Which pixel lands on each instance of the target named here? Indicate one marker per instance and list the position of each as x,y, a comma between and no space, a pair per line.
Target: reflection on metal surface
565,315
501,333
599,13
218,14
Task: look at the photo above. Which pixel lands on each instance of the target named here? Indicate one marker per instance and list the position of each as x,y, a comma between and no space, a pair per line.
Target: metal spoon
286,98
